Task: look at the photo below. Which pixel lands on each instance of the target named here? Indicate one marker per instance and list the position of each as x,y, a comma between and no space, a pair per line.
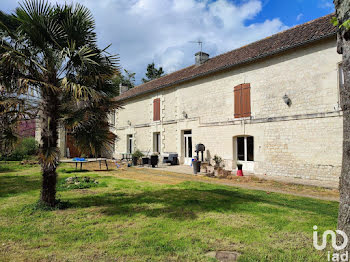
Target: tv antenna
199,42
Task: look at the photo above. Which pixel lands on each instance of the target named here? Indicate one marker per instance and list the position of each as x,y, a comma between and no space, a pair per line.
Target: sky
163,31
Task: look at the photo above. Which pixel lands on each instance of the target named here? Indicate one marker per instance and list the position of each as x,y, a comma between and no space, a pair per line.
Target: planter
154,161
196,166
134,160
239,171
145,161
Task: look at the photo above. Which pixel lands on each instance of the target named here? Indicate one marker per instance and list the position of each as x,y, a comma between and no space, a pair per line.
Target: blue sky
161,31
294,12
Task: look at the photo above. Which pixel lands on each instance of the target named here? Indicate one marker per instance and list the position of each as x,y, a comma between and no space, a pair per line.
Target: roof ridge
294,37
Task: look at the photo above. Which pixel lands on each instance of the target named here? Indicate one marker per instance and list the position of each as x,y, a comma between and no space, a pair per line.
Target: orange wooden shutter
246,111
238,101
156,109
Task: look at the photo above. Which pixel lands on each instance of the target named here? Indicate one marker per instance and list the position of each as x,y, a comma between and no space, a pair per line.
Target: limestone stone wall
303,140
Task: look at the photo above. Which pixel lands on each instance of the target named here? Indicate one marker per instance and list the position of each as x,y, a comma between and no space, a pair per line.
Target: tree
152,73
343,47
126,79
13,109
50,52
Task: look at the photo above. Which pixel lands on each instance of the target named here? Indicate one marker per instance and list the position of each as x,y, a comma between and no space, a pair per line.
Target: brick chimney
201,57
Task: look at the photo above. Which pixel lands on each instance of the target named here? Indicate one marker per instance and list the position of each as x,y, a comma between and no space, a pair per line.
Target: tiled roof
299,35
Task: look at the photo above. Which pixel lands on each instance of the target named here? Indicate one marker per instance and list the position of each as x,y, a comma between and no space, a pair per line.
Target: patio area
185,169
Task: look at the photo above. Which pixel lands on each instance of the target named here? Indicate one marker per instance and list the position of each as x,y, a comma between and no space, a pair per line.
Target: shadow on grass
18,184
72,170
188,203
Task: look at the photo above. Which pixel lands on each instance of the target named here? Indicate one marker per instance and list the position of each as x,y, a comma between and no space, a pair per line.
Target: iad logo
334,256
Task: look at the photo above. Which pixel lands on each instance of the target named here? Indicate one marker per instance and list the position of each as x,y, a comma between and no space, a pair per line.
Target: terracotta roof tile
302,34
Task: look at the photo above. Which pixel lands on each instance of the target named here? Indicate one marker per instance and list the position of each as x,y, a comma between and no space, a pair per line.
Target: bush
138,154
218,160
24,149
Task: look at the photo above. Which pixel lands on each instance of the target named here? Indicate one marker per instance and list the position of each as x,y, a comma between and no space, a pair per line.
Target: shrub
23,150
218,160
138,154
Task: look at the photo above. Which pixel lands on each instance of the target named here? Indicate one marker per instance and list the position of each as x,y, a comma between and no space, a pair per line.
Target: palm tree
342,19
50,52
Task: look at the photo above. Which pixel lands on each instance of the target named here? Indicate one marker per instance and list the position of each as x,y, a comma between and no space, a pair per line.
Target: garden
113,216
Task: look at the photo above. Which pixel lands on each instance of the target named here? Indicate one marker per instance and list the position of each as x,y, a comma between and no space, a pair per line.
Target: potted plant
154,160
218,160
136,156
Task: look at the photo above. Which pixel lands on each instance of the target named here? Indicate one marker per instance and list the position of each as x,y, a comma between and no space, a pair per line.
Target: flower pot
134,160
145,161
239,171
154,161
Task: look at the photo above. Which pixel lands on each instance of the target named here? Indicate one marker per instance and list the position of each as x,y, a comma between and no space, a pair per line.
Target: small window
156,109
242,100
245,148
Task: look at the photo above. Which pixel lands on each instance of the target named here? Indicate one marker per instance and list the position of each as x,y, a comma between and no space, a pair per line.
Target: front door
188,147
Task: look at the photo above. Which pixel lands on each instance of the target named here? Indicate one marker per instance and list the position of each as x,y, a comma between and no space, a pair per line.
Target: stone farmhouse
272,105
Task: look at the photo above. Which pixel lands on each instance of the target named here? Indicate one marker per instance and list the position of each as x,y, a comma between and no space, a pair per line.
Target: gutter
231,65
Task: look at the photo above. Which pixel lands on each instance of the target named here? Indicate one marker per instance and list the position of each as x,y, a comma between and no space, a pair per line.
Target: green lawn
126,220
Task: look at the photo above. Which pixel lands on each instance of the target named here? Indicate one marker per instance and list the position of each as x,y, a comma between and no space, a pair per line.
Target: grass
128,220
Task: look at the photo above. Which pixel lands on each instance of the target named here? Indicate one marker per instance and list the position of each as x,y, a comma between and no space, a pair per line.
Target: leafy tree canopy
126,79
152,73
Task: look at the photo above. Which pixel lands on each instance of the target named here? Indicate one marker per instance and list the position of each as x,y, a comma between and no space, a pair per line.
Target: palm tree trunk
343,13
49,151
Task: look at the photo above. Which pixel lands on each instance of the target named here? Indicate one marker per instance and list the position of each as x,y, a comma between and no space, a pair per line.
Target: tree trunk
49,156
343,14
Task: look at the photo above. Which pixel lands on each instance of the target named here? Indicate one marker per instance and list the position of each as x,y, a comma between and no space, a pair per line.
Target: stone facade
302,140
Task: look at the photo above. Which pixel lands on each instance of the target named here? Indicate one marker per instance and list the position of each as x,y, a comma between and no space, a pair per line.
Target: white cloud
326,4
160,31
299,17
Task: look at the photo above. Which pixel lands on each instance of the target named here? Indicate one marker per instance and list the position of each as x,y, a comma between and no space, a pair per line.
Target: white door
188,147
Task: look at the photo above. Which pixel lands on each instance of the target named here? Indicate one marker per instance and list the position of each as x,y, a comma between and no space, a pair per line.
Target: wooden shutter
156,109
238,101
246,111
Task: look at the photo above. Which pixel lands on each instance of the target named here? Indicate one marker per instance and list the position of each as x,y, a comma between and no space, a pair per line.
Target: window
245,148
242,100
156,109
156,142
129,141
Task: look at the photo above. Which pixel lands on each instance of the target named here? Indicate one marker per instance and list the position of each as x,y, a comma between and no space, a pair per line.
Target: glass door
188,147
